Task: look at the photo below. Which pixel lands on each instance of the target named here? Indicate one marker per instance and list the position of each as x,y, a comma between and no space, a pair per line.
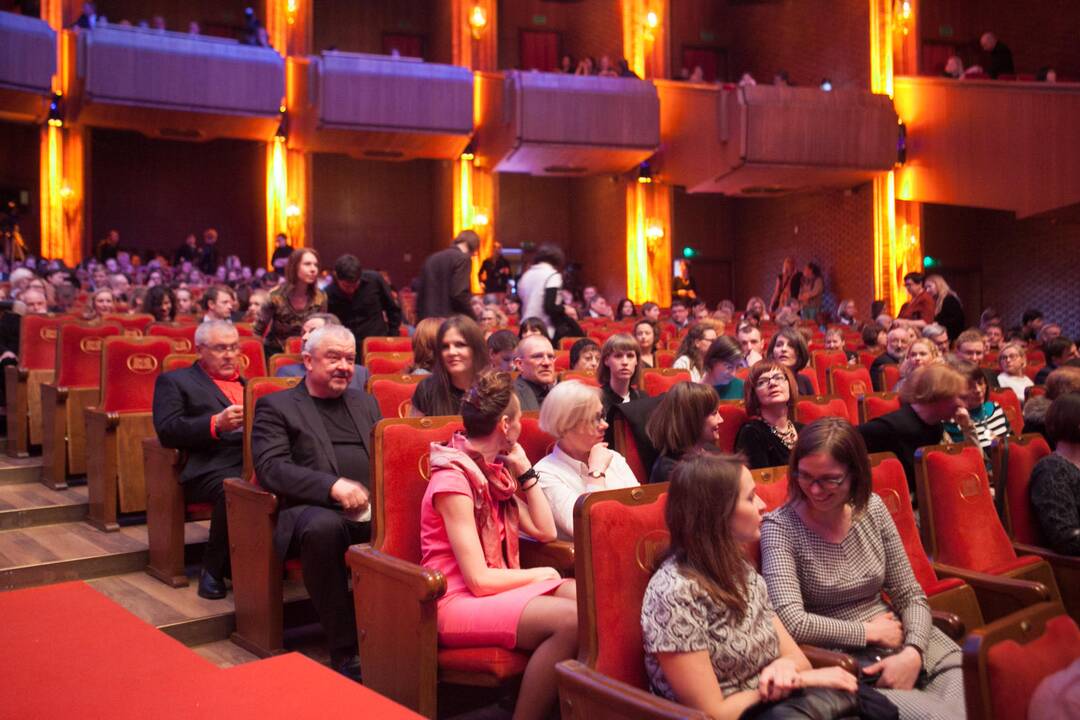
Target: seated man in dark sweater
896,343
1059,351
535,360
931,395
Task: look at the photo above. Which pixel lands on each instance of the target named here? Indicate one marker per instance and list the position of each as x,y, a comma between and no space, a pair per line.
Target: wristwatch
596,474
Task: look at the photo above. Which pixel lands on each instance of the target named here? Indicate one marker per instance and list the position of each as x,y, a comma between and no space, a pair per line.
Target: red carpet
70,652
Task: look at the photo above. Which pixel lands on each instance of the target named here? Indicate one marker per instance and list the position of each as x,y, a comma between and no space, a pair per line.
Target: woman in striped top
830,553
981,420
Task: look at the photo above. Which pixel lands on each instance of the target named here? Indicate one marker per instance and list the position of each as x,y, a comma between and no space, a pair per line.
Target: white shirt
531,287
564,479
1017,384
683,363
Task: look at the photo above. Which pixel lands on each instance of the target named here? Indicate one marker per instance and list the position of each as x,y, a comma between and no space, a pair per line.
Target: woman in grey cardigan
828,555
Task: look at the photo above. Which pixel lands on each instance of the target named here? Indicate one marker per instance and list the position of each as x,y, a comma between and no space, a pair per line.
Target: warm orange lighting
648,245
651,20
477,21
66,193
881,47
643,42
897,242
480,218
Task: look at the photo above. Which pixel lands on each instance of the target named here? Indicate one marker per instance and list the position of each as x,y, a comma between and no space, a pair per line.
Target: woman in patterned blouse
711,639
291,304
828,555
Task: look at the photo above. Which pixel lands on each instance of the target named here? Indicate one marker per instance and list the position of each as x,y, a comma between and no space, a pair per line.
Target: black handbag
807,704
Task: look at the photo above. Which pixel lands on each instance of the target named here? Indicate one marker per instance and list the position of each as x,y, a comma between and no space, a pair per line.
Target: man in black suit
311,447
362,300
444,279
200,410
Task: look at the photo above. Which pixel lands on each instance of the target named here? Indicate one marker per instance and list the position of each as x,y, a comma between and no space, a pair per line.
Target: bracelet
526,488
530,473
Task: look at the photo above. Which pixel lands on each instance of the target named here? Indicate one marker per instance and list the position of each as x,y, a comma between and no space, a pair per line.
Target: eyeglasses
826,481
222,349
767,380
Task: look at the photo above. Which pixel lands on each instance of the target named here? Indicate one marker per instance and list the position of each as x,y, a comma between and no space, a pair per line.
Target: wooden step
181,613
19,470
24,505
76,551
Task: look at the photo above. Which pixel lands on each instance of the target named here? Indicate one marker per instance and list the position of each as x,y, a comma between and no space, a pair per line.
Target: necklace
788,436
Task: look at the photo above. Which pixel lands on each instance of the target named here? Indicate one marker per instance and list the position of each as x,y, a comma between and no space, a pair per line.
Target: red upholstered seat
589,378
393,393
536,443
942,585
1032,370
175,361
388,363
1035,391
386,344
849,383
294,344
202,509
498,662
567,342
1015,564
1021,456
734,414
78,362
664,358
866,359
280,360
876,404
656,381
626,445
618,536
809,409
37,340
129,368
1006,398
134,325
890,376
252,358
771,485
245,330
182,335
821,360
811,376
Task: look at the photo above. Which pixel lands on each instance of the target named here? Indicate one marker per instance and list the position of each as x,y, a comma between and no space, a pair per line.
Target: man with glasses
200,410
919,311
310,445
535,360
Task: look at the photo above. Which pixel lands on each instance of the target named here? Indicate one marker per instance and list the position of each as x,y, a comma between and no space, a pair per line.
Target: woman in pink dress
483,490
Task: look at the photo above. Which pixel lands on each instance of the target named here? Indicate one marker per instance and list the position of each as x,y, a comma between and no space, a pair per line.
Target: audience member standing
208,256
444,279
282,251
294,302
811,291
1001,59
539,286
949,312
188,252
362,300
788,284
495,272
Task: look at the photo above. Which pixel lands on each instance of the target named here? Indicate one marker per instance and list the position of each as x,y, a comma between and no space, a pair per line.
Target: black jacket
901,432
444,285
184,401
293,454
363,312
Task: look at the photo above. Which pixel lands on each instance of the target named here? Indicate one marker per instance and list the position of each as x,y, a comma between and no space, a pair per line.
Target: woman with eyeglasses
1013,362
831,554
580,461
767,437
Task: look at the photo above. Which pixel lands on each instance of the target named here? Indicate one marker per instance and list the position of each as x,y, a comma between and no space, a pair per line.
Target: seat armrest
558,554
949,623
427,584
585,694
163,456
998,595
250,496
820,657
1066,570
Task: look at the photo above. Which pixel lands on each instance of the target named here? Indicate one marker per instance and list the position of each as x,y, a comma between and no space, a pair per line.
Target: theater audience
539,286
325,502
830,553
495,272
1013,361
722,360
919,311
680,315
685,423
650,311
766,439
834,342
482,493
789,348
1055,480
938,335
949,313
580,461
200,411
1001,59
625,310
1061,381
532,326
424,346
756,305
1030,323
294,302
847,314
100,304
750,344
313,323
534,359
711,638
501,345
620,372
993,335
930,397
460,355
1058,351
585,355
160,303
896,345
256,301
811,291
362,300
692,349
491,319
919,353
647,335
788,284
444,279
981,420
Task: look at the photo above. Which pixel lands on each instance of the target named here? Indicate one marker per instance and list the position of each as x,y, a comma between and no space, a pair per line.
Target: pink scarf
492,483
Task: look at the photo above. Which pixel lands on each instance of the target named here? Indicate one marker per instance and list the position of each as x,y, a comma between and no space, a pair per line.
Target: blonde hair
567,406
932,383
943,290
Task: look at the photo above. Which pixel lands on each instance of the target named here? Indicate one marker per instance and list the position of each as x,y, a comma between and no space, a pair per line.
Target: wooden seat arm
558,554
248,496
998,595
949,623
585,694
427,585
1066,569
109,419
162,456
820,657
1057,560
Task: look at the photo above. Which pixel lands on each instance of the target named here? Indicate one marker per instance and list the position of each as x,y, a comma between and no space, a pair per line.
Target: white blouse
564,479
683,363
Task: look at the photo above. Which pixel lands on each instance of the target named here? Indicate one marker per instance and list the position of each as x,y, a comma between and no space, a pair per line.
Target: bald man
534,358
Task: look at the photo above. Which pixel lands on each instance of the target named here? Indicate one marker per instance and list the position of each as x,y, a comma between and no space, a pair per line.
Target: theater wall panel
588,27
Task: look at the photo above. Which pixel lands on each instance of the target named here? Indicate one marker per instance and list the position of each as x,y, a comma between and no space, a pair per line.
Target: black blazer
444,285
184,401
294,456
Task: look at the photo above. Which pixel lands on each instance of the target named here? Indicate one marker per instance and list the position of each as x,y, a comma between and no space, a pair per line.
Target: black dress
901,432
951,316
760,445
